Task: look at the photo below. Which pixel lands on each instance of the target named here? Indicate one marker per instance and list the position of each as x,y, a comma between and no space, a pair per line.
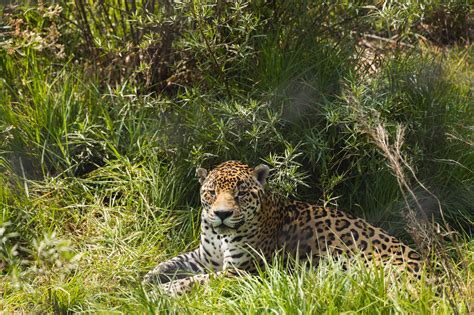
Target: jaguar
243,224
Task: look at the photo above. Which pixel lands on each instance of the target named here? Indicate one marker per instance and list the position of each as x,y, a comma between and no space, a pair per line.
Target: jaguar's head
231,195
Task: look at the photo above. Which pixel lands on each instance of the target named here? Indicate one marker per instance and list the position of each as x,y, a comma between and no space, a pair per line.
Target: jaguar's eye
241,193
212,193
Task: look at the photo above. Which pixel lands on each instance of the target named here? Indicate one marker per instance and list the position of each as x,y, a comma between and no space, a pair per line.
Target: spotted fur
242,224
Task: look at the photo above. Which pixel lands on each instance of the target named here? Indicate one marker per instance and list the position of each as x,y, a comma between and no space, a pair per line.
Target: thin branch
210,50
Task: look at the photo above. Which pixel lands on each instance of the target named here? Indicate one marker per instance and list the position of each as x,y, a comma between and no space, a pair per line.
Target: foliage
107,108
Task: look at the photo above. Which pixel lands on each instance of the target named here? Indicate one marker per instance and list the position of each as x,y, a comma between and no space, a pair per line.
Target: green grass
328,289
97,179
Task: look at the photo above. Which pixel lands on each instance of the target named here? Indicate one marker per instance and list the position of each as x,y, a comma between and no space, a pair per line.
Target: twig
107,18
210,50
130,25
86,28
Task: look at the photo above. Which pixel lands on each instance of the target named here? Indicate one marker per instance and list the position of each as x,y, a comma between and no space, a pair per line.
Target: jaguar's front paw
177,287
154,277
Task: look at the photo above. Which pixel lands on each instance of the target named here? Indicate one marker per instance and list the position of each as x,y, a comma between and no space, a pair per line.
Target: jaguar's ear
201,173
261,172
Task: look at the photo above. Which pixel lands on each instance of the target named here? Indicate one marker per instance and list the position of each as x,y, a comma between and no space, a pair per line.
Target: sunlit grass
97,177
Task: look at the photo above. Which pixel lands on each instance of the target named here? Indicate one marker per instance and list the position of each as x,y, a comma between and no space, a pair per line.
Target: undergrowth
103,122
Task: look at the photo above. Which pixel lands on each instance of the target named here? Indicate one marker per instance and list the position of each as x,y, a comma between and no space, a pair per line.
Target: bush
108,107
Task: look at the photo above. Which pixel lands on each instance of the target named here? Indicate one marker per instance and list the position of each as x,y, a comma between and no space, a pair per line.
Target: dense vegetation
107,108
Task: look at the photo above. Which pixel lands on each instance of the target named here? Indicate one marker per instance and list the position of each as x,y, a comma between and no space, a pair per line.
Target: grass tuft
107,109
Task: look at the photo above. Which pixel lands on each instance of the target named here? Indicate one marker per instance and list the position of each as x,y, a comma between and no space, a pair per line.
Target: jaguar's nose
223,214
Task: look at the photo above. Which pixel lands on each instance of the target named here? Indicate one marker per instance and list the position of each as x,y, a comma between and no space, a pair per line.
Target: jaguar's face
231,195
